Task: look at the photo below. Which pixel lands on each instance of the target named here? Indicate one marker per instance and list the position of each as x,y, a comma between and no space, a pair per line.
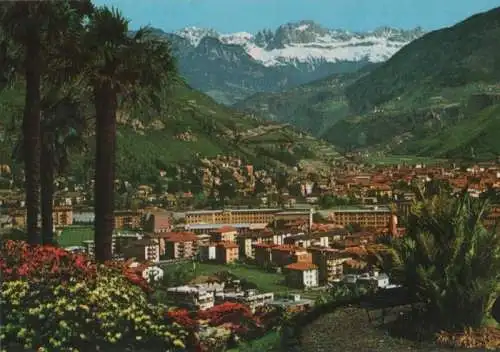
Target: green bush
450,261
109,314
59,301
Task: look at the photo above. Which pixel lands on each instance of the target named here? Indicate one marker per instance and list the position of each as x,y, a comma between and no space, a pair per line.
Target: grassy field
75,235
264,280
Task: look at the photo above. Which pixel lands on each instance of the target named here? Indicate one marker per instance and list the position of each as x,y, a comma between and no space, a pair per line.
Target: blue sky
253,15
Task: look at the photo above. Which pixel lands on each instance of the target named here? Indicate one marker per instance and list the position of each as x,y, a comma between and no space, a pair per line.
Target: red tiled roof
178,236
225,229
302,266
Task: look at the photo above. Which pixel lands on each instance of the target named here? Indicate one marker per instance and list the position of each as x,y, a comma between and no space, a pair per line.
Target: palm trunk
105,105
47,191
31,134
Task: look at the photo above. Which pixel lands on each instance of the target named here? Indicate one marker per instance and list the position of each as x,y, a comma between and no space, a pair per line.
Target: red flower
46,263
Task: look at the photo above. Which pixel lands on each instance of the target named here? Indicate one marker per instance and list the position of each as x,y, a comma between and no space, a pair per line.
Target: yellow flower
178,343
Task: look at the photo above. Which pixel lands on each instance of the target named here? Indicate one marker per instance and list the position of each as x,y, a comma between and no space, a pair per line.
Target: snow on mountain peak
239,38
195,34
309,42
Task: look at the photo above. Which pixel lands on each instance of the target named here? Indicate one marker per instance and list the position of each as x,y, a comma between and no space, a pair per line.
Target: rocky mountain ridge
232,67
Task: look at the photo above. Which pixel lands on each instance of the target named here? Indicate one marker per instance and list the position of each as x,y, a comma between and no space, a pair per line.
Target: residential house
302,275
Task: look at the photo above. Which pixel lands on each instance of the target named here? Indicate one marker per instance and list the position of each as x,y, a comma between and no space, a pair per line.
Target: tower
311,214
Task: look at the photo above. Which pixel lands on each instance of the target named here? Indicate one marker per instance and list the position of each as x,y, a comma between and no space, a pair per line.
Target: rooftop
301,266
218,226
216,211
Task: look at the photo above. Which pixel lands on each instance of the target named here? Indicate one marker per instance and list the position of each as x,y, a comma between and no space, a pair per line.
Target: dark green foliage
142,152
449,261
313,107
449,57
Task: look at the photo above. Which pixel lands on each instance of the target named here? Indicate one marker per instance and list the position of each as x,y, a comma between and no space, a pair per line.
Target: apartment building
302,275
226,252
262,252
330,263
231,216
250,298
143,250
247,240
191,297
157,221
119,246
367,217
207,252
177,245
224,234
62,216
285,254
127,219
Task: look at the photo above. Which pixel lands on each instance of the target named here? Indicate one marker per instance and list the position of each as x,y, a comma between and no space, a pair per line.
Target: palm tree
61,132
121,68
449,260
34,26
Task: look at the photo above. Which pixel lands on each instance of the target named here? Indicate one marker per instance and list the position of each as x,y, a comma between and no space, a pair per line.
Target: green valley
189,126
439,96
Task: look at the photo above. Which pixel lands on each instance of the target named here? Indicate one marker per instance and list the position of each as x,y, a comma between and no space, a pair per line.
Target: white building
191,297
251,298
379,280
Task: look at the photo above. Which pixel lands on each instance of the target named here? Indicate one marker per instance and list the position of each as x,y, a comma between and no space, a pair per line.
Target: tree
33,28
61,129
120,68
449,260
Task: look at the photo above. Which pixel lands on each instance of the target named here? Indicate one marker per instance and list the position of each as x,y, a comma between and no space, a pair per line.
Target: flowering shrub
133,274
213,339
217,326
59,301
237,317
269,317
18,260
183,318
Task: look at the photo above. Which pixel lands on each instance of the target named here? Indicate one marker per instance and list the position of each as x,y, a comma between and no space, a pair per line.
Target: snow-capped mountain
232,66
308,42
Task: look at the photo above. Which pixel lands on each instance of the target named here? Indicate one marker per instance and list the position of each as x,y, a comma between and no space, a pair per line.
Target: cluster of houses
202,296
